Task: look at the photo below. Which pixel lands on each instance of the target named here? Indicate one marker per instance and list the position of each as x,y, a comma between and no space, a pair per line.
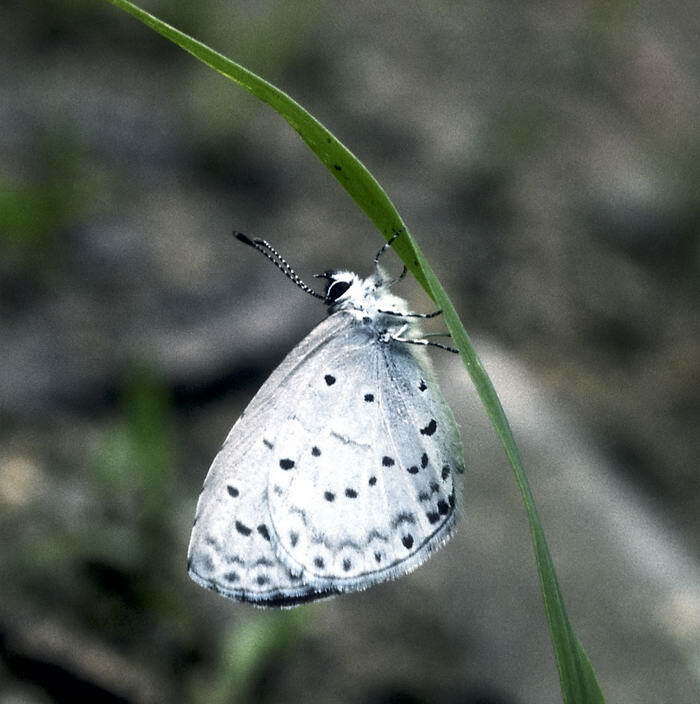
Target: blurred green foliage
137,455
245,653
136,487
36,208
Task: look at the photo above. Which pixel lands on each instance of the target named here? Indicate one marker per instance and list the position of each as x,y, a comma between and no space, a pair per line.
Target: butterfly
345,469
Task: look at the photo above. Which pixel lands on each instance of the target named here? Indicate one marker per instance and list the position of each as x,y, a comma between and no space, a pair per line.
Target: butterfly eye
336,290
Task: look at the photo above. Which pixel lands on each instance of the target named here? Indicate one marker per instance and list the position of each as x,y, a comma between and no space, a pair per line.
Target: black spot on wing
372,481
351,493
318,561
412,470
443,507
347,564
267,444
407,541
369,398
315,451
378,556
433,516
262,529
293,538
422,386
446,471
262,579
430,428
387,461
232,491
243,529
231,577
287,463
424,460
329,496
330,379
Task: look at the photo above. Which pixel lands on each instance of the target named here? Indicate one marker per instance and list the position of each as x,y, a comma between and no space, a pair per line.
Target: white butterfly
344,470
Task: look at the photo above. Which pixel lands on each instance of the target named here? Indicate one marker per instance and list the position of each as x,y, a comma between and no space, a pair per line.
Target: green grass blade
577,678
578,682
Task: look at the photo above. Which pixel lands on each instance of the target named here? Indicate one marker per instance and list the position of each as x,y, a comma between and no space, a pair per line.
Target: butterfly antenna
267,250
383,249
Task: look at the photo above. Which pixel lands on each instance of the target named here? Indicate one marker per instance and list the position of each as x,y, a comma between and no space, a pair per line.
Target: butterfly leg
403,273
411,315
421,341
384,247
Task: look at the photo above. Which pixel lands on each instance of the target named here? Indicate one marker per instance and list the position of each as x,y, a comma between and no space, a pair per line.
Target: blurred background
544,155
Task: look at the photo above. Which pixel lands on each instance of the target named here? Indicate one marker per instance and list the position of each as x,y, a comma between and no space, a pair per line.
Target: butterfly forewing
231,549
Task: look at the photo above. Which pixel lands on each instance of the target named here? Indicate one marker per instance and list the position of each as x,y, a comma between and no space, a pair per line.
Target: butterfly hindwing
373,458
342,472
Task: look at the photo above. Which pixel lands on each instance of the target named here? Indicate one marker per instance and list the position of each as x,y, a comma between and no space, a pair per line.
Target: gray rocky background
544,154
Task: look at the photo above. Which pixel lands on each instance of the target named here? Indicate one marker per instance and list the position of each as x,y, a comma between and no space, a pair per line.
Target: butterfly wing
372,463
232,548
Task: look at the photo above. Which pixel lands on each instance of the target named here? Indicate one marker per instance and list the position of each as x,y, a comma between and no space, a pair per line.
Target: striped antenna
267,250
